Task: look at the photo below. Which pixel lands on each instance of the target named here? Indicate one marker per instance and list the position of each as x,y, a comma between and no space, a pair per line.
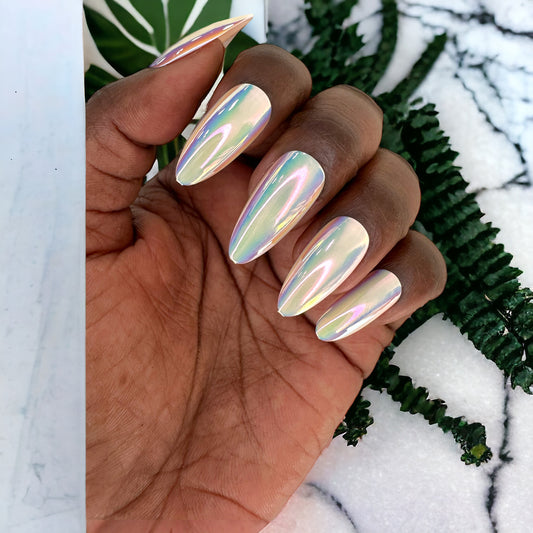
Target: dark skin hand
205,407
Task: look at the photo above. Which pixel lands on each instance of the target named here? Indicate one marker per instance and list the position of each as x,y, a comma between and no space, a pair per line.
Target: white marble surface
42,444
406,476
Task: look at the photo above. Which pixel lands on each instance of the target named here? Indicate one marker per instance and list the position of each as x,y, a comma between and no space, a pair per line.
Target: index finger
125,120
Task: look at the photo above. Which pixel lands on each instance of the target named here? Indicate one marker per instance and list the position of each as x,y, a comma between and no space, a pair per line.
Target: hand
203,402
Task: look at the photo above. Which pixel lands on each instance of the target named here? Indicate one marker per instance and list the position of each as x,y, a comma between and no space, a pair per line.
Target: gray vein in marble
504,457
467,62
482,16
330,499
522,178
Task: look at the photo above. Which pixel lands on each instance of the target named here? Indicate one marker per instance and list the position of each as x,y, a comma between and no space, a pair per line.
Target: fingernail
223,133
282,197
224,31
379,291
324,264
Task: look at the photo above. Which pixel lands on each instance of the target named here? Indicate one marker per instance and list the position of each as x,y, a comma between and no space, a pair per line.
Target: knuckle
431,266
335,142
353,100
402,176
265,60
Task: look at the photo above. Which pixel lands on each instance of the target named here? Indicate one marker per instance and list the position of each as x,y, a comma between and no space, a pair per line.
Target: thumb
125,120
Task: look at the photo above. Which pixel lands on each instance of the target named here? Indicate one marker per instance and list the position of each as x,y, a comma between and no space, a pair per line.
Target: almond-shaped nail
379,291
224,31
283,196
324,264
224,132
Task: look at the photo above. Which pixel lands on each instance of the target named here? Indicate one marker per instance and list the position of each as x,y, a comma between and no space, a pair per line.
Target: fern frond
415,400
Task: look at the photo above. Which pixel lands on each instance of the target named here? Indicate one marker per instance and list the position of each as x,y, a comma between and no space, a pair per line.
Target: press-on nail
324,264
223,133
224,31
379,291
282,197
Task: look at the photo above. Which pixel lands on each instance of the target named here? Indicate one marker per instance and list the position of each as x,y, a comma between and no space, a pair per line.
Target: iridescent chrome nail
224,31
282,197
225,131
324,264
379,291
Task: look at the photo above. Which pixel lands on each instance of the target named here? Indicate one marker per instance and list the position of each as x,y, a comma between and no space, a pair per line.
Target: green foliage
356,421
154,14
130,23
482,296
96,78
125,57
213,11
130,46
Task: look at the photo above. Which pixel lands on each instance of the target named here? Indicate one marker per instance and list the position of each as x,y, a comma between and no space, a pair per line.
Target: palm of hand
207,399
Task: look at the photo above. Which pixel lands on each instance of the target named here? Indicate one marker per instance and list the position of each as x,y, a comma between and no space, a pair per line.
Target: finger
340,127
326,143
419,268
252,101
350,236
125,121
283,77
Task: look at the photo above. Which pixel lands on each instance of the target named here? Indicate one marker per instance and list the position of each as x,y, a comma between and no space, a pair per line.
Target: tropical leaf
121,53
178,13
126,57
153,12
95,79
130,23
213,11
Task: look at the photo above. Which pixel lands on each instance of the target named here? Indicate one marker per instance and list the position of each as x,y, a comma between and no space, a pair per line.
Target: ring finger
350,236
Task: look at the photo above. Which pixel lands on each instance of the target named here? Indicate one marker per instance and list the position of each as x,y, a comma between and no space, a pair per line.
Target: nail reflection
379,291
284,195
223,133
224,31
324,264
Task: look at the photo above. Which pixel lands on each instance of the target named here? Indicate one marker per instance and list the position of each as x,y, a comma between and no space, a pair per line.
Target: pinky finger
413,273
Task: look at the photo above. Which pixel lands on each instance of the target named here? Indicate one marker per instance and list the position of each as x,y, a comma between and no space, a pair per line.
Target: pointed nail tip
285,312
328,338
237,24
322,337
243,18
240,257
236,259
182,181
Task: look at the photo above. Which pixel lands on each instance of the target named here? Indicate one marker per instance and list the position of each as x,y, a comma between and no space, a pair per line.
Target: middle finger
325,144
